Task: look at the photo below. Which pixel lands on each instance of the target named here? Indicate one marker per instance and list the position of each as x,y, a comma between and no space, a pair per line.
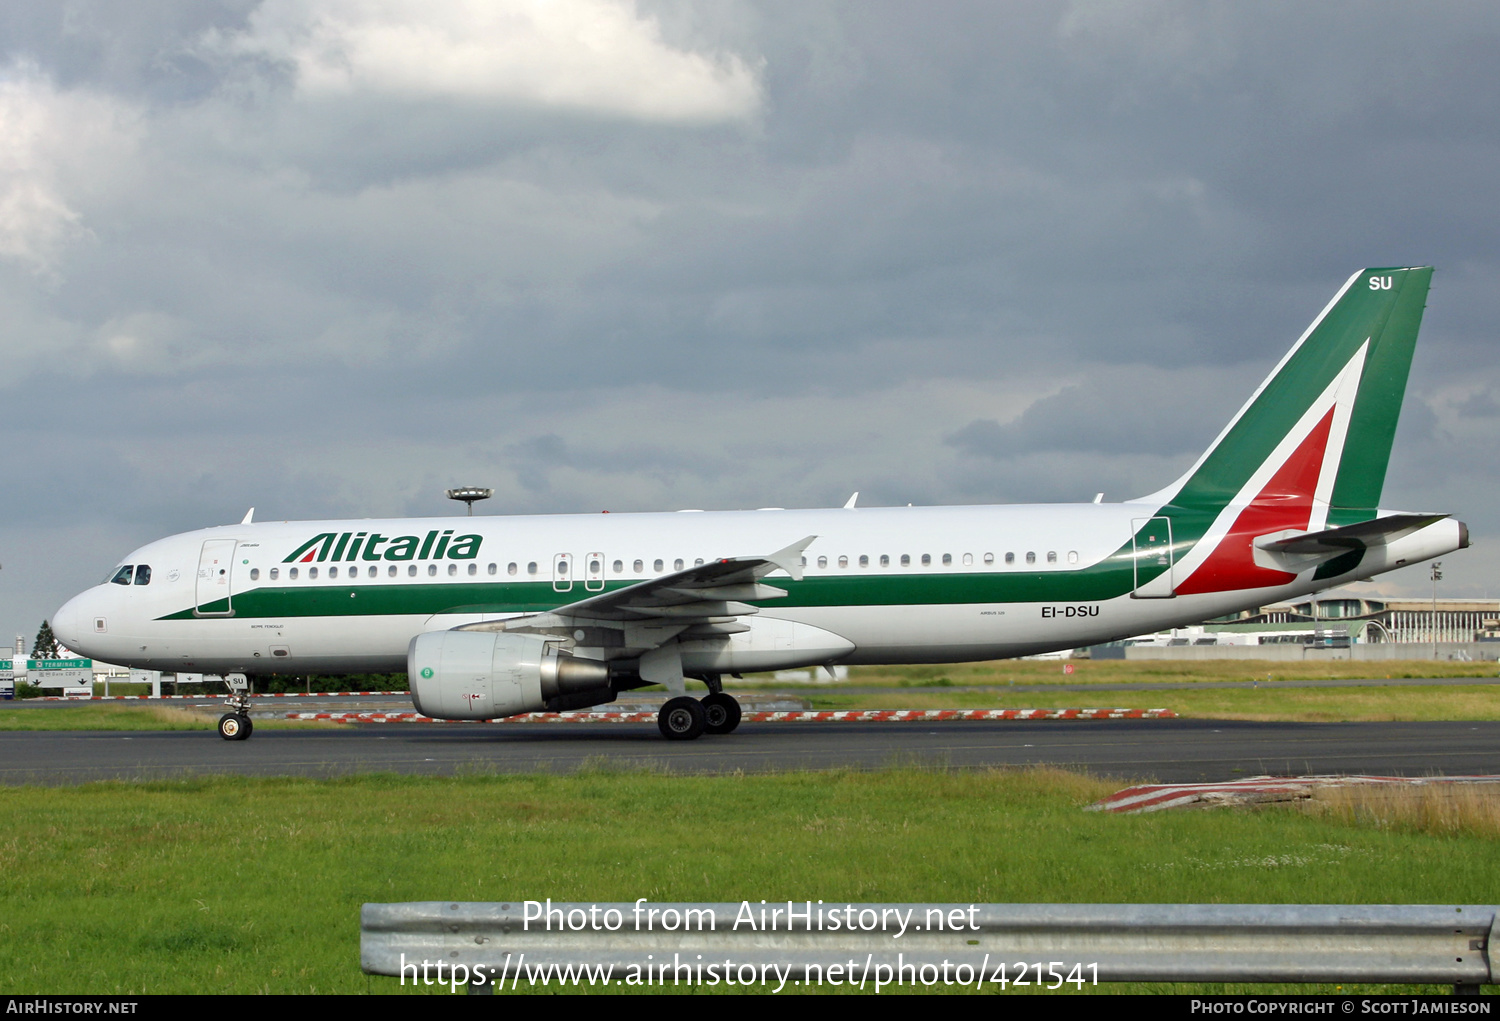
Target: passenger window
510,568
312,572
1010,558
968,559
989,558
677,564
822,561
638,566
494,569
885,560
1072,556
411,570
531,567
333,572
292,574
275,573
864,561
699,562
431,570
843,561
947,559
926,559
1052,556
391,571
373,571
452,570
254,574
619,566
1030,557
656,565
123,575
473,569
906,560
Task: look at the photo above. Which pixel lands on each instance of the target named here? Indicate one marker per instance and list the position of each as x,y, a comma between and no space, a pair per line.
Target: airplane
501,615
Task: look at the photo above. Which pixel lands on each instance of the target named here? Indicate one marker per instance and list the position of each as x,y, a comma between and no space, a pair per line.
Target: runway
1169,751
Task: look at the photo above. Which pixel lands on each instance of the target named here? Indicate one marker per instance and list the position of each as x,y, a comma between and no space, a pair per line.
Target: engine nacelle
482,675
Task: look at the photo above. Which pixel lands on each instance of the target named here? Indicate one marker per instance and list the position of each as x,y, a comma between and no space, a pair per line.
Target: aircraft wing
707,598
1361,535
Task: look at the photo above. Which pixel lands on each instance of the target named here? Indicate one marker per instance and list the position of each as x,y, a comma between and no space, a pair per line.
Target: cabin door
1153,558
215,577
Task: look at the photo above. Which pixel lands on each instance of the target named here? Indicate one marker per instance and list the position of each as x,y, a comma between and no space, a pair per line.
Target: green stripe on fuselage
1108,579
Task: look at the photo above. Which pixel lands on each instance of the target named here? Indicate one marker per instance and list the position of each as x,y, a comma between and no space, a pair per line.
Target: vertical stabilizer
1347,371
1308,451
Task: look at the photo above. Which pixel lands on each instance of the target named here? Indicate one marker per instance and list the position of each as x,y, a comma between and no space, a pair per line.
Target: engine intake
482,675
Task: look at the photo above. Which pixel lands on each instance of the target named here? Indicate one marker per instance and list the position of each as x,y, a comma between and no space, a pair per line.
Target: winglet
790,559
249,515
850,504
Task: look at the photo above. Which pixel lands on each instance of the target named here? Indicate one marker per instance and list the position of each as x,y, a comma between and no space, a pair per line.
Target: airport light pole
1437,576
470,494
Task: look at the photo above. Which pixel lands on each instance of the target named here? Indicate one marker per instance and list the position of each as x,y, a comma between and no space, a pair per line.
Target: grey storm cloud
332,256
1118,410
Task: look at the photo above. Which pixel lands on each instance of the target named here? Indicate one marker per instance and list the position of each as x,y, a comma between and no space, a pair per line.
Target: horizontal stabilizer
1361,535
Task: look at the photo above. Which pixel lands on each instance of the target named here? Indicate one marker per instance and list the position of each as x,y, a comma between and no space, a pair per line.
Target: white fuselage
881,585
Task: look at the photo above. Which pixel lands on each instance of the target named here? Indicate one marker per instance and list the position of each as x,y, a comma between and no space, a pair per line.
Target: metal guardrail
803,941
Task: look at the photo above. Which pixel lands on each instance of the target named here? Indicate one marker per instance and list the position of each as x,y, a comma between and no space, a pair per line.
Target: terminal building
1320,626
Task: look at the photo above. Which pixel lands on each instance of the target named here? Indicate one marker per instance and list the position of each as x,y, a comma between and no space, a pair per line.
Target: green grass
139,716
1269,702
991,686
242,885
1116,671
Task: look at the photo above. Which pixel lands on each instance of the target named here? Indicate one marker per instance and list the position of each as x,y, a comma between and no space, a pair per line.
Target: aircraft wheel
721,713
681,719
234,727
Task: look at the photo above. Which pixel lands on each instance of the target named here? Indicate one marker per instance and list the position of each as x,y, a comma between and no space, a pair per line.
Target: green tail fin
1346,376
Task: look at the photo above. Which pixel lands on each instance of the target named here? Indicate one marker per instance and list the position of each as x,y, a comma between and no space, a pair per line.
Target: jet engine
481,675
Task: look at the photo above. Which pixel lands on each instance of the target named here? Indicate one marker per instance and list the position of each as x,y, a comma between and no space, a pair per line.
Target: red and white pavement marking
168,698
1255,789
840,716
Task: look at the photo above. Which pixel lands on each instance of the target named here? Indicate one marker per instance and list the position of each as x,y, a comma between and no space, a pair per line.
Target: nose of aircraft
72,623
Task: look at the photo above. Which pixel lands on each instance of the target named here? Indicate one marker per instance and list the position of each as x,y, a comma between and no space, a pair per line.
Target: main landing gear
685,718
721,713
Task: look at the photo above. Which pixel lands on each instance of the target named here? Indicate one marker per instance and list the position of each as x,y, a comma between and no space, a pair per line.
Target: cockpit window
122,576
143,574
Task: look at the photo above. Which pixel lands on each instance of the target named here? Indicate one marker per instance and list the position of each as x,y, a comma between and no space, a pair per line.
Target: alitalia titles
338,546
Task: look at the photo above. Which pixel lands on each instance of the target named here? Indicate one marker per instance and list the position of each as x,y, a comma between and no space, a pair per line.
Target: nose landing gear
235,726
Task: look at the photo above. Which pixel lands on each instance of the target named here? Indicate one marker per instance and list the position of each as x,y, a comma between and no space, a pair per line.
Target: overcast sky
329,257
